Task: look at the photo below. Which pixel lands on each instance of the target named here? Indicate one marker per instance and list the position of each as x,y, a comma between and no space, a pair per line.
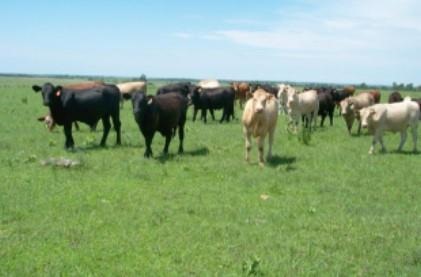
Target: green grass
332,208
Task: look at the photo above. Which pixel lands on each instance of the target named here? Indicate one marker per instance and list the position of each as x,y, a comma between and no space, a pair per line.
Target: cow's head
260,97
292,99
368,116
50,93
347,107
140,102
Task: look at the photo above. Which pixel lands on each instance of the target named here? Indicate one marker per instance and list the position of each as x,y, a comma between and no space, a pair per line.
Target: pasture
327,208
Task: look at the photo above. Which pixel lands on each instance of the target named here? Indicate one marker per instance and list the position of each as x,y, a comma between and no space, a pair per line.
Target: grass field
327,208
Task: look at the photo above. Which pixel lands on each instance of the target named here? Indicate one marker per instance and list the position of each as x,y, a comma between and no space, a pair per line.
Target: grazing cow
351,106
88,106
184,88
242,92
209,84
376,95
326,106
127,89
163,113
259,119
395,117
213,99
395,97
304,105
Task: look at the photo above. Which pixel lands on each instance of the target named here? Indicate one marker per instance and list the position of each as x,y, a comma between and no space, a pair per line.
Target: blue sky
372,41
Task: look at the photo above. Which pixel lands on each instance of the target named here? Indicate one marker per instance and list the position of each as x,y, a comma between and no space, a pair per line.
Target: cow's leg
260,145
373,144
414,131
314,118
212,114
247,137
76,126
271,136
117,127
68,134
148,142
204,115
194,113
181,138
167,143
331,116
380,139
322,120
359,126
403,140
107,126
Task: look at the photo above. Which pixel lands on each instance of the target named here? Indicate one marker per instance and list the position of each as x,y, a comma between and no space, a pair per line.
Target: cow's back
362,100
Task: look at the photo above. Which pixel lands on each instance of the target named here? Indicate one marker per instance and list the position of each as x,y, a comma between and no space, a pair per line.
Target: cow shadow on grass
202,151
277,160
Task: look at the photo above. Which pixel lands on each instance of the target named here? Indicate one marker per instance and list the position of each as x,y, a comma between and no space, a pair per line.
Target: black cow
267,87
88,106
162,113
214,99
326,105
395,97
184,88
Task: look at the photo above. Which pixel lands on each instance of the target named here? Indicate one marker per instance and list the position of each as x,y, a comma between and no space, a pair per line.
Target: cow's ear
36,88
58,90
150,100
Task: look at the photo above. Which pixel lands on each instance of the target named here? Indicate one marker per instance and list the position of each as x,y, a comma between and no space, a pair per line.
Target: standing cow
213,99
163,113
129,88
242,92
351,106
88,106
259,119
395,117
304,106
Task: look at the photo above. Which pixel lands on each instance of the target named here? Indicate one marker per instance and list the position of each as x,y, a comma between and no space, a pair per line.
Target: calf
88,106
50,124
259,119
395,117
213,99
163,113
351,106
305,105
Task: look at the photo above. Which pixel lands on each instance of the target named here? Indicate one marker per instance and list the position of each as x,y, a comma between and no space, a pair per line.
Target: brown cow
242,92
395,97
349,90
376,95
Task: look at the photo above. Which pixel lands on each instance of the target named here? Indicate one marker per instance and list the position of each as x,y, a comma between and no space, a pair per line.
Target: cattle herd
166,111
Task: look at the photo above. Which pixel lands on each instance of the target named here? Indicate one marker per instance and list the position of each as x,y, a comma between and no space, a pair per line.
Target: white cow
303,104
209,84
259,119
126,89
395,117
351,106
283,97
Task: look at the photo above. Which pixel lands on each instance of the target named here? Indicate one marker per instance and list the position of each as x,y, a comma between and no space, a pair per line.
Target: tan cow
127,89
395,117
242,92
283,97
351,106
303,104
259,119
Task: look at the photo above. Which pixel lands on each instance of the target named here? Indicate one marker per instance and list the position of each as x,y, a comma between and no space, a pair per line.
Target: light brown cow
209,84
259,119
351,106
242,92
126,89
395,117
303,104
